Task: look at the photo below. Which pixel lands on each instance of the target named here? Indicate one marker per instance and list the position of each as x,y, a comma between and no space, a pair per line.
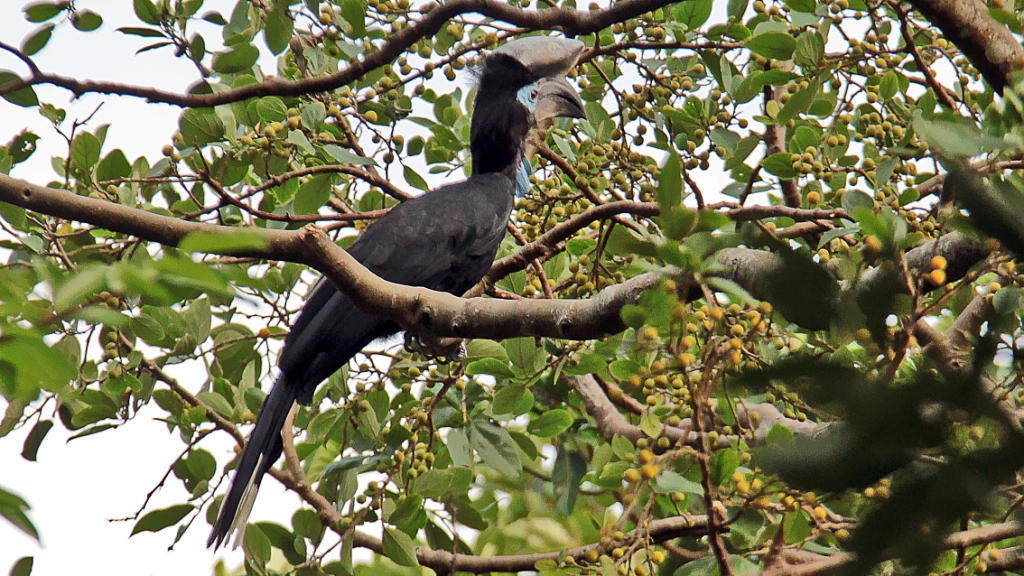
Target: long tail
258,456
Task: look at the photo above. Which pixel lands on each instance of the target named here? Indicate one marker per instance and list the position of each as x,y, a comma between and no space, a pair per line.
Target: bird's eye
533,95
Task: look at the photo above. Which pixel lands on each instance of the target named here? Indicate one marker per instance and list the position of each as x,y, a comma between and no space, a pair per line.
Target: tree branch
570,21
975,537
426,312
612,423
987,43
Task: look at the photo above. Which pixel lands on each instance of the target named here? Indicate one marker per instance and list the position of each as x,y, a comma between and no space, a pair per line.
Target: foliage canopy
821,198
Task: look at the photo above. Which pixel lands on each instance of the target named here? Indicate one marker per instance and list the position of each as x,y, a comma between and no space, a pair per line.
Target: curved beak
544,56
557,97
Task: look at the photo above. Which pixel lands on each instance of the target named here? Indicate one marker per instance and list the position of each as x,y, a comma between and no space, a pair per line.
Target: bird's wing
444,240
440,240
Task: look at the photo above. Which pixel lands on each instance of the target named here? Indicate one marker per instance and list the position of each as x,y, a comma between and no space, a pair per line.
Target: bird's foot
454,349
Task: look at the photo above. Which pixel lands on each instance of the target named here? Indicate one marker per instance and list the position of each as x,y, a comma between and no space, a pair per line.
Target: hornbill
444,240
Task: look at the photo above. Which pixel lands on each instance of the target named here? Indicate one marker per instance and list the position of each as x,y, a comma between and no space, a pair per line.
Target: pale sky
74,488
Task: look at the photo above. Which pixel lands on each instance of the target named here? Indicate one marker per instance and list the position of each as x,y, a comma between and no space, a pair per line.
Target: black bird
445,240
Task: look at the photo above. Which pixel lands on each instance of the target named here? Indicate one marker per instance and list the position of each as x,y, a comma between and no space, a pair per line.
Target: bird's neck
498,143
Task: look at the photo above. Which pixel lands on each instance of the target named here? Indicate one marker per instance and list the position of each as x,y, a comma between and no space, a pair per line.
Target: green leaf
523,353
566,476
415,180
551,423
345,156
271,109
299,139
650,424
282,539
737,8
37,41
669,481
802,5
692,13
1007,300
438,484
580,246
723,464
313,194
670,183
43,11
82,285
800,289
201,464
256,545
399,547
512,399
706,566
483,348
856,199
147,11
496,447
114,165
948,138
142,32
354,12
85,151
86,20
23,567
889,85
884,171
169,401
492,366
780,165
24,97
157,520
277,29
796,527
799,103
773,44
313,115
34,439
225,242
200,126
633,316
240,58
13,508
214,400
810,49
307,523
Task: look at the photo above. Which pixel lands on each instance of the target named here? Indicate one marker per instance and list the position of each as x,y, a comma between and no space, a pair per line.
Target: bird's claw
453,349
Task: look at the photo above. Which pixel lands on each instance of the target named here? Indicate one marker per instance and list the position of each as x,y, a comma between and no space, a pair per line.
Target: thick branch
279,244
571,22
432,313
987,43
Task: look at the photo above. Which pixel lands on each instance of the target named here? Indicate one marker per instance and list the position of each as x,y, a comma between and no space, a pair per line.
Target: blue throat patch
527,95
523,177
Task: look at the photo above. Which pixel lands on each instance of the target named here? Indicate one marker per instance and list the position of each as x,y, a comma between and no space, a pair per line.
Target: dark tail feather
260,452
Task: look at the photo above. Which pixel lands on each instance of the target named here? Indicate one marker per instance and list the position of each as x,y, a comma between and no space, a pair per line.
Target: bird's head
522,85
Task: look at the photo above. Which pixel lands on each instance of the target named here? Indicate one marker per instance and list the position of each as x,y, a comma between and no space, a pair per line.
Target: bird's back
444,240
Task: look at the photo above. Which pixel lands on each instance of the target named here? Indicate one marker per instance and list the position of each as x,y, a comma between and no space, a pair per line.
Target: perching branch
432,313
